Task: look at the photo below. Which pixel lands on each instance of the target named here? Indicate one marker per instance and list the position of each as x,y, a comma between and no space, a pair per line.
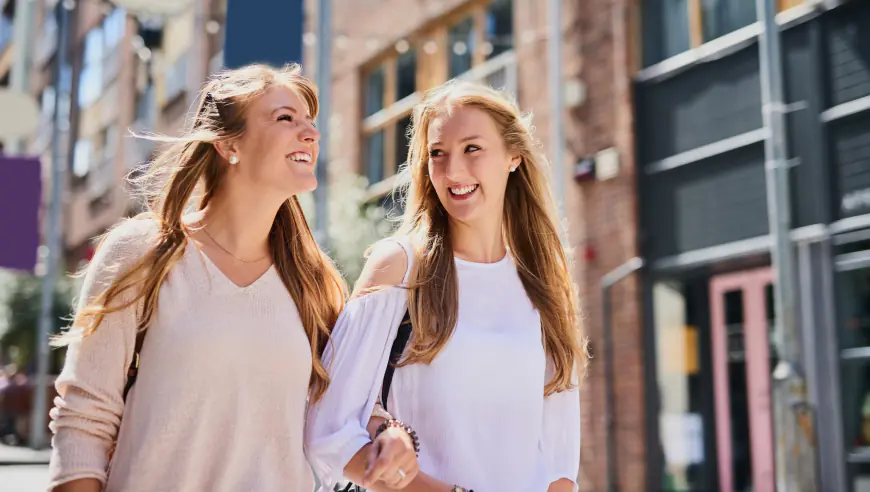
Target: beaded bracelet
405,427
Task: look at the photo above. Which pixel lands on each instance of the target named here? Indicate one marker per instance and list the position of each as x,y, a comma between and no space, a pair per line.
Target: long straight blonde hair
530,229
191,164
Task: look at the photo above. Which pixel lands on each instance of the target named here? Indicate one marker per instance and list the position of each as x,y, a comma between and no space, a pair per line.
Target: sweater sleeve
356,360
89,405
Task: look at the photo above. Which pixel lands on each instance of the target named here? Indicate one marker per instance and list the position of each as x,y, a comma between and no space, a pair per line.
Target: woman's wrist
380,412
398,424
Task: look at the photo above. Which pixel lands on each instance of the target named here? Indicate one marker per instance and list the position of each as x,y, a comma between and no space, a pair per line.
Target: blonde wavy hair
531,232
188,173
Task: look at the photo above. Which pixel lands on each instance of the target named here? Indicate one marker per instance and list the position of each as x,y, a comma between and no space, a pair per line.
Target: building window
91,78
671,27
460,42
724,16
480,35
374,96
375,157
82,157
101,62
853,306
499,35
406,74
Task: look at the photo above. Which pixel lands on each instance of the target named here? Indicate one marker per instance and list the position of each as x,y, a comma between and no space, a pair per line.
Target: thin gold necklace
227,251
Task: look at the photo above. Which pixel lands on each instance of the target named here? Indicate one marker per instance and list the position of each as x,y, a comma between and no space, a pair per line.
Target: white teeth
300,157
463,190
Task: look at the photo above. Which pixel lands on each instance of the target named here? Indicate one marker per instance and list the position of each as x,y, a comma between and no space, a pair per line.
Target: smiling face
469,164
278,150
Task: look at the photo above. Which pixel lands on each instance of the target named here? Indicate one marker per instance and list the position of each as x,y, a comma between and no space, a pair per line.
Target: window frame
695,21
431,70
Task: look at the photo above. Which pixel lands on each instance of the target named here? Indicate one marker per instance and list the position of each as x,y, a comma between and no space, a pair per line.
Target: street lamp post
52,236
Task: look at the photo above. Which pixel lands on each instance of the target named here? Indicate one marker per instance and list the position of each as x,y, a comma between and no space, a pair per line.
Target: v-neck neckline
216,271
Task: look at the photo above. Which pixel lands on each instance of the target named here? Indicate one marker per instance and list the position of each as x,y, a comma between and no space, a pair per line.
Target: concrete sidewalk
20,455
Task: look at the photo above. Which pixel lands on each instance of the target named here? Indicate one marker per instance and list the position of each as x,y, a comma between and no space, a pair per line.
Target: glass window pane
115,26
90,84
402,140
859,473
853,299
375,157
855,380
738,395
94,46
406,74
499,27
82,156
665,29
460,42
681,386
374,91
725,16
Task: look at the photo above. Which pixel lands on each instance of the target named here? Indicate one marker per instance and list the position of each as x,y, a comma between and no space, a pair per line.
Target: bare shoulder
385,267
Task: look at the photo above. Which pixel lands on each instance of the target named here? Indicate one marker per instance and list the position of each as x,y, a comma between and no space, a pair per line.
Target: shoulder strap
133,370
402,336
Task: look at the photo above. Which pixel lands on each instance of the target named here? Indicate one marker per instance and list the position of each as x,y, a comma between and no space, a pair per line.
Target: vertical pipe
53,237
795,454
324,84
557,132
607,282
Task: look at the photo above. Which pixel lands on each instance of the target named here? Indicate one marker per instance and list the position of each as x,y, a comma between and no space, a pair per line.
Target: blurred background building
663,160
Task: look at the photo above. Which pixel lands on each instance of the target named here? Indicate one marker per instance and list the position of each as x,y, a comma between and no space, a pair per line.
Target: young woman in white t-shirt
489,377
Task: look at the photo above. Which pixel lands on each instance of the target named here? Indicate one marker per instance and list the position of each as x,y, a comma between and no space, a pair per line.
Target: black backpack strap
133,370
402,336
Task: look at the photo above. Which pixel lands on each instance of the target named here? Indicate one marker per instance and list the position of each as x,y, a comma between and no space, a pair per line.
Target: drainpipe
607,282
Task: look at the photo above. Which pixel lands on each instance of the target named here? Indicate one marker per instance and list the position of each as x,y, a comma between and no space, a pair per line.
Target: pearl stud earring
234,160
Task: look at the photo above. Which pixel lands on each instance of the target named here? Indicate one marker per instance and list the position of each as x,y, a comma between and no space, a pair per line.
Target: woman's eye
285,117
435,153
472,148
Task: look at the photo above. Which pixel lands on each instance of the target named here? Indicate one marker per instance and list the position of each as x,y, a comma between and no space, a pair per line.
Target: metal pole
20,77
53,239
607,282
557,132
795,453
324,84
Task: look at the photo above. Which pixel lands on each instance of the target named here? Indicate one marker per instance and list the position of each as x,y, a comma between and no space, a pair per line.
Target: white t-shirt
478,408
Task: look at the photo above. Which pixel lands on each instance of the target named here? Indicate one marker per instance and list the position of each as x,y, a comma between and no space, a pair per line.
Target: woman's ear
226,149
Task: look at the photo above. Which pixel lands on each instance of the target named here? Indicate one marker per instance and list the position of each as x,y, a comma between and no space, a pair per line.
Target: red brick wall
602,215
603,218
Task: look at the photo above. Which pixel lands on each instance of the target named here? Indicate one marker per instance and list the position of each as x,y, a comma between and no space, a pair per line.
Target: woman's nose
310,134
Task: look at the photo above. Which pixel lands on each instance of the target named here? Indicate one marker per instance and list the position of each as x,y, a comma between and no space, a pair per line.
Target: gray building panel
848,52
804,84
850,139
705,104
719,200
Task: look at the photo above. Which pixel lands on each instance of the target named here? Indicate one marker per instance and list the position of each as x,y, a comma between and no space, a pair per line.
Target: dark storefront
704,229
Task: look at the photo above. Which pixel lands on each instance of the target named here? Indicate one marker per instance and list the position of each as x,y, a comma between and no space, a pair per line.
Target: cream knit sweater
220,398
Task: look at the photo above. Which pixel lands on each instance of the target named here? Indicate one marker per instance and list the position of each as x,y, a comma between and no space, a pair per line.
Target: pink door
742,313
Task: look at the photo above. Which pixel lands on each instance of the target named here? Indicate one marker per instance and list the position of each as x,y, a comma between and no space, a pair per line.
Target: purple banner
20,195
